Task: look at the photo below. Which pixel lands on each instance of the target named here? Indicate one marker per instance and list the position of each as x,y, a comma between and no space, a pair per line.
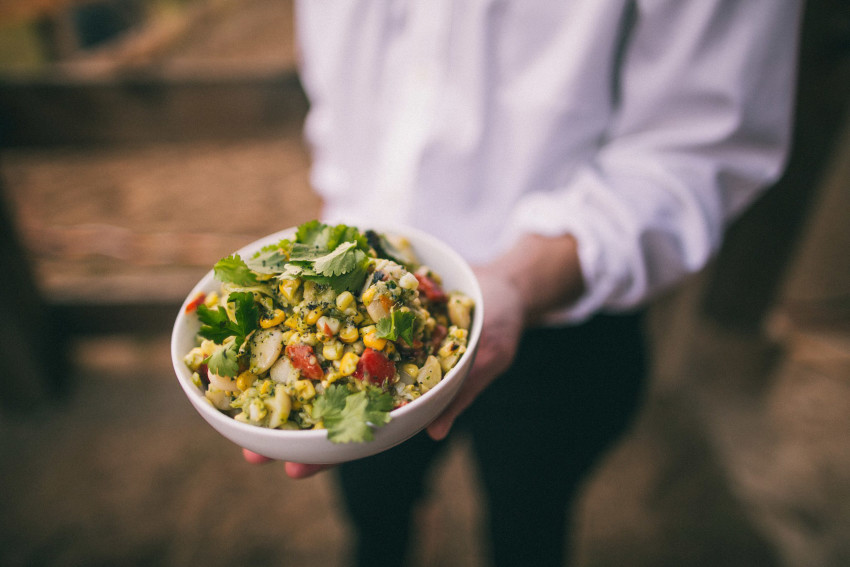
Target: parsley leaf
233,269
398,325
351,417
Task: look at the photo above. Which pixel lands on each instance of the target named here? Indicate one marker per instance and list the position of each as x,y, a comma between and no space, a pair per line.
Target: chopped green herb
234,270
350,417
399,325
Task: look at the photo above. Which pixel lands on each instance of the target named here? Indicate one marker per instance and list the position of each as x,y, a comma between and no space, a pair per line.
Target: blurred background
142,140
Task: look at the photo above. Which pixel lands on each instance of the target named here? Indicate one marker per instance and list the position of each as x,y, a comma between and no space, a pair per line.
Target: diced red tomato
304,359
431,289
199,299
374,367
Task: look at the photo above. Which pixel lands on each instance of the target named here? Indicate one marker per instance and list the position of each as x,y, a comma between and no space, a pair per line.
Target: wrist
543,271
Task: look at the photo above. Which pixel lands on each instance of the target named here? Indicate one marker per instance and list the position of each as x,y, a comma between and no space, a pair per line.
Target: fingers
293,470
255,458
300,470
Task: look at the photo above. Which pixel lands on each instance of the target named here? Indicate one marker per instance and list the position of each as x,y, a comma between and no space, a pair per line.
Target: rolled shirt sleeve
701,125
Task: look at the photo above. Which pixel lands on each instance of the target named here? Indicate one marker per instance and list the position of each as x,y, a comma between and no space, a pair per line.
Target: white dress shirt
639,127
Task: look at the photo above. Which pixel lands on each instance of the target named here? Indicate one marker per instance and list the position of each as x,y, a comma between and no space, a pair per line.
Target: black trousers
536,432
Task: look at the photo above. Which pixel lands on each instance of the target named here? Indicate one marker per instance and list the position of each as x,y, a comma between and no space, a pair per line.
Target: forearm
545,271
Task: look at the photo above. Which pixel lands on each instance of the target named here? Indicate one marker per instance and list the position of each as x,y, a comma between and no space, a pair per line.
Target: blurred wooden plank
142,107
126,318
31,344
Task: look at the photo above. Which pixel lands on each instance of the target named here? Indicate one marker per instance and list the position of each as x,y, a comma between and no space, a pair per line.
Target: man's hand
536,275
500,334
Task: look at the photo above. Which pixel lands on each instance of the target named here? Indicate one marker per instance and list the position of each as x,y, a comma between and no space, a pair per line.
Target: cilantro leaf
342,260
225,361
325,237
309,232
269,259
330,403
233,269
353,280
306,253
344,267
398,325
351,417
247,313
216,325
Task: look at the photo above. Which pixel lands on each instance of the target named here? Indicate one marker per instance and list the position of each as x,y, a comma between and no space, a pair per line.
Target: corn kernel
265,387
211,299
331,377
332,350
372,340
294,338
304,390
348,364
272,319
244,380
349,334
344,300
369,295
313,316
288,288
291,322
449,348
410,369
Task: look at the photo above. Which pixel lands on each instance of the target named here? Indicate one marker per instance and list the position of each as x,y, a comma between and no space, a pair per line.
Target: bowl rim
195,394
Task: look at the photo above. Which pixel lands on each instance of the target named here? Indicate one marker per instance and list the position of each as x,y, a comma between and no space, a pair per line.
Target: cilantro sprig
331,255
351,417
217,326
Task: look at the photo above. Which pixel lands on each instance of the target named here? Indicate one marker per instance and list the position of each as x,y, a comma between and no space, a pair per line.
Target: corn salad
308,322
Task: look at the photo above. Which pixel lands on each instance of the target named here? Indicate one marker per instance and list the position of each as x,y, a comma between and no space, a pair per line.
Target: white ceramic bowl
312,446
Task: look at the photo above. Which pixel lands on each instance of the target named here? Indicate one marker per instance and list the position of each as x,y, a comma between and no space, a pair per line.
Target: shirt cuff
604,231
